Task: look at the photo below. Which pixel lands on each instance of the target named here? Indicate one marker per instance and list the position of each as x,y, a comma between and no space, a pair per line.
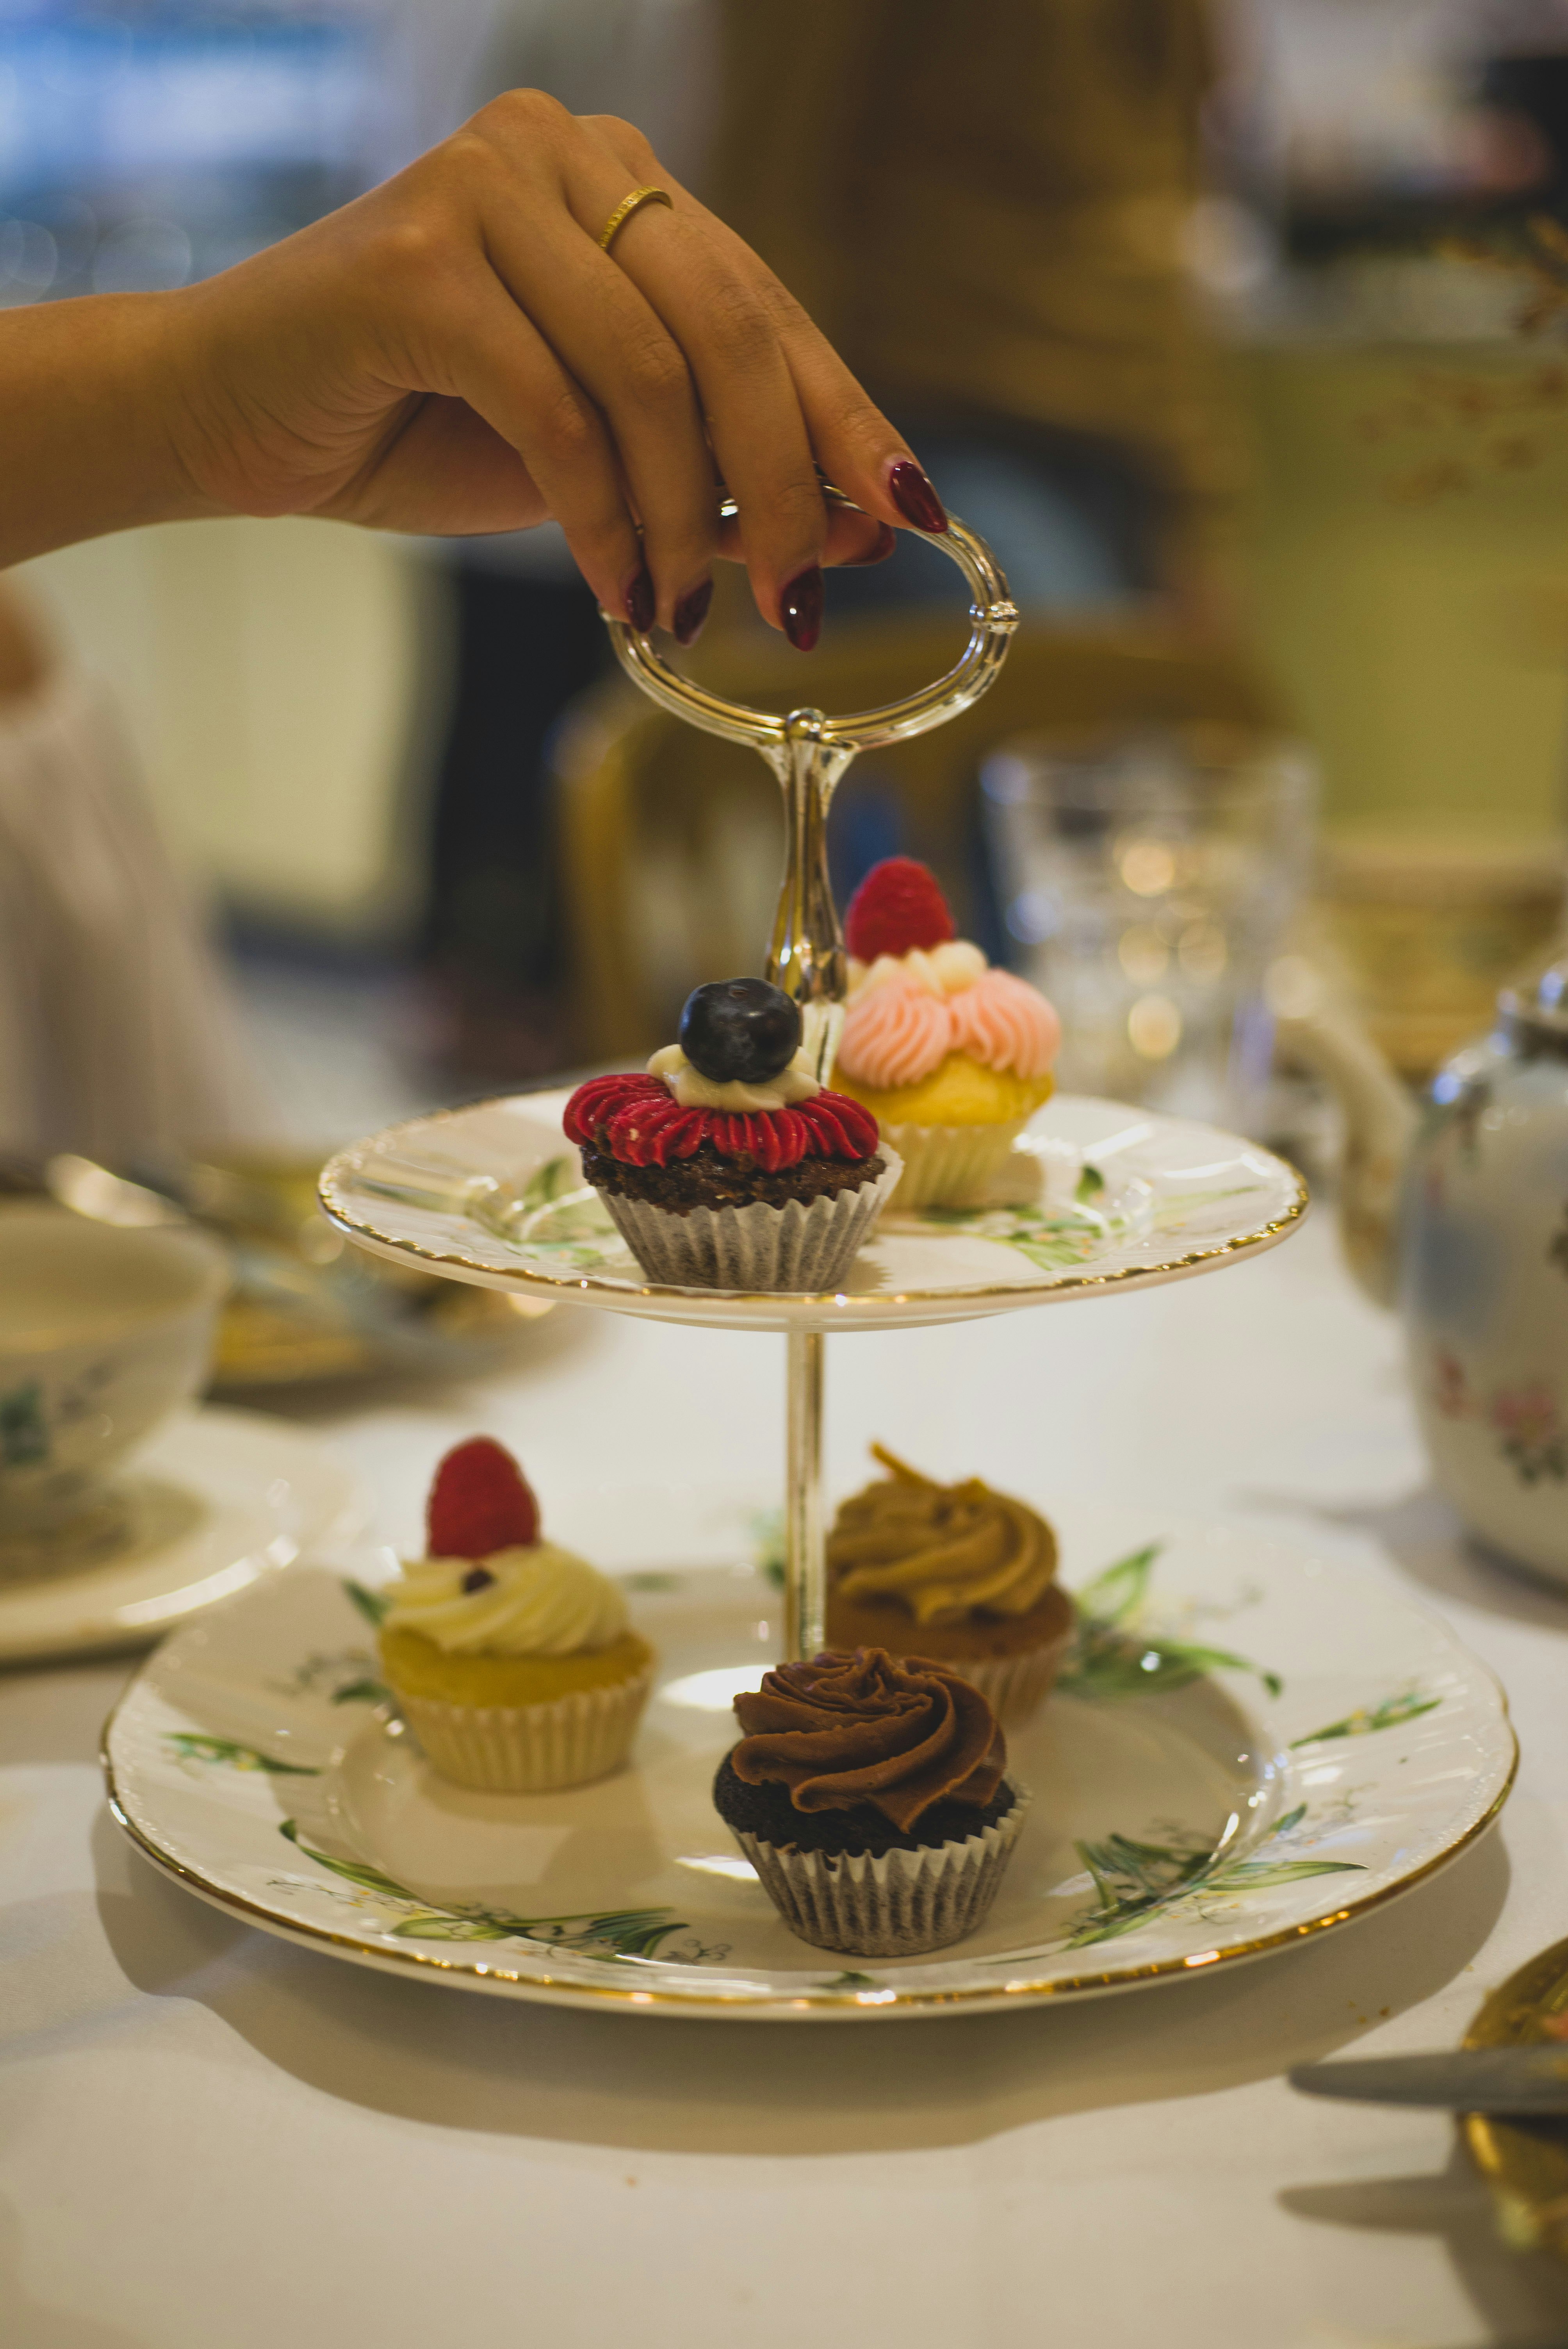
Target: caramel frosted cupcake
871,1795
725,1165
953,1571
952,1057
513,1660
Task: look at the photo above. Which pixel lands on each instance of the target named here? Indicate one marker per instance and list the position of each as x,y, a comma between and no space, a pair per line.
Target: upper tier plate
1099,1194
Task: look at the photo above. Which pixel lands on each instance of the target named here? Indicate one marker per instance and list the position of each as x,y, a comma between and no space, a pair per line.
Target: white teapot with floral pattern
1462,1219
1483,1276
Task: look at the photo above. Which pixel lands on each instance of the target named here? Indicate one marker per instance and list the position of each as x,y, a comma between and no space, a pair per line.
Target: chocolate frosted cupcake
871,1795
727,1165
957,1571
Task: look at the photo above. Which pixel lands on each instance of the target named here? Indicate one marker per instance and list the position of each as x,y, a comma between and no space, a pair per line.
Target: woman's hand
453,353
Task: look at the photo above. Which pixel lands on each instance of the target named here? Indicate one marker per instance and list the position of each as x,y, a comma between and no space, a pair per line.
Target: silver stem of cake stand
805,1528
809,753
807,957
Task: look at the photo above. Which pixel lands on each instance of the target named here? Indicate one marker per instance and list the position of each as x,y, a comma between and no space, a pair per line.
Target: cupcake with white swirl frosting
513,1660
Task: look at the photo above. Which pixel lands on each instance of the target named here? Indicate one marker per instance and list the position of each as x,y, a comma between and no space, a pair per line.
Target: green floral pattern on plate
1135,1881
1053,1239
1408,1706
228,1753
562,1222
615,1934
1117,1653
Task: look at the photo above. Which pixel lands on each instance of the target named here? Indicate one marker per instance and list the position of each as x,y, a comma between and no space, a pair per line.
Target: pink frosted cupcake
952,1057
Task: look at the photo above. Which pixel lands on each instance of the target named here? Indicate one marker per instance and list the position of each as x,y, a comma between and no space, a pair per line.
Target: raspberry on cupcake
513,1661
951,1056
725,1165
957,1572
869,1793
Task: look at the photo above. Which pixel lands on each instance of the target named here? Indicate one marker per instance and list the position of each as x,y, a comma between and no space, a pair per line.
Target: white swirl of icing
542,1601
946,969
692,1090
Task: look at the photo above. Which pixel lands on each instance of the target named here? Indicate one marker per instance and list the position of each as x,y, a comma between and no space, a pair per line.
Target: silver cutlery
1528,2082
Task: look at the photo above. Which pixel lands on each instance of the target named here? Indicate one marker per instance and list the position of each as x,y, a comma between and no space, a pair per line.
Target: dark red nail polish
801,608
691,611
885,541
913,496
640,602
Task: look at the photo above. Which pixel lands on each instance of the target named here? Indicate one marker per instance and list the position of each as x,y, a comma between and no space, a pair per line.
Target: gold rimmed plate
1251,1745
1097,1196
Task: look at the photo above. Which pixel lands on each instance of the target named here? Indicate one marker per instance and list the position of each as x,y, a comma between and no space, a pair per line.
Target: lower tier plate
1251,1744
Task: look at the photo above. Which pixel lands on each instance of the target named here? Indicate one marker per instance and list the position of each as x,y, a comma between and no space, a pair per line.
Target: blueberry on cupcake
870,1793
725,1165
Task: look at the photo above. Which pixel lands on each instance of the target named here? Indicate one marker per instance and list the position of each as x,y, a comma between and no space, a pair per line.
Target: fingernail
691,611
801,608
886,540
641,602
913,496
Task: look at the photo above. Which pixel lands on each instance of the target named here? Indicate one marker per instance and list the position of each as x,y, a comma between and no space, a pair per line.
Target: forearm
89,407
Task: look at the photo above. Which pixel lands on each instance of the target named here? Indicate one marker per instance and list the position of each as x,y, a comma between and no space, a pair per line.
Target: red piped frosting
898,907
636,1120
479,1502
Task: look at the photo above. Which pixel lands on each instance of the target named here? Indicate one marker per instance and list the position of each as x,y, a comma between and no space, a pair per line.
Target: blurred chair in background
118,1037
671,840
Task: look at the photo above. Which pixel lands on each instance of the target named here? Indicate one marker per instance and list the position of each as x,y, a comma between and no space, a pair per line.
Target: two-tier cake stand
1194,1802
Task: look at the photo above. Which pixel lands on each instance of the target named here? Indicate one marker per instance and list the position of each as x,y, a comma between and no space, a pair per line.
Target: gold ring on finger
626,207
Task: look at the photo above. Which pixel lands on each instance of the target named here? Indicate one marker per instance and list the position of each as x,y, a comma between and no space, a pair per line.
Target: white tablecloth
211,2140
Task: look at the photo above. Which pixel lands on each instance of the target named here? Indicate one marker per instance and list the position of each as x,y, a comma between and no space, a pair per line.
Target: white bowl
103,1332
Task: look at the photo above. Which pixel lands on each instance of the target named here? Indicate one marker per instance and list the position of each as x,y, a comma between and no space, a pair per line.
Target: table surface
210,2137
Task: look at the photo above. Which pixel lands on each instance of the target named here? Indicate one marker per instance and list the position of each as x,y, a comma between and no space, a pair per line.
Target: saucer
214,1501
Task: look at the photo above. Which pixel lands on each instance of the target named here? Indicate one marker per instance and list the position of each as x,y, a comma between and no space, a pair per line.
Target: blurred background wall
1391,538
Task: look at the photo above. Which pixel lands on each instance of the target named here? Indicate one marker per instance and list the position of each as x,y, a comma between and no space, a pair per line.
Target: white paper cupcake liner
893,1904
526,1749
1015,1686
949,1166
808,1248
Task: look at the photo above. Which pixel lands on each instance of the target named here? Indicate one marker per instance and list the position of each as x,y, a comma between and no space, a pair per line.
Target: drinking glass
1146,882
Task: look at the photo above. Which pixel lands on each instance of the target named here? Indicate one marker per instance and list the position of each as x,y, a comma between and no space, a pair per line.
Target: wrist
157,344
87,388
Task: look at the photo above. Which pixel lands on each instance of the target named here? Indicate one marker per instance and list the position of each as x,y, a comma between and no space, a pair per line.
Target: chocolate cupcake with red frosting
870,1795
725,1165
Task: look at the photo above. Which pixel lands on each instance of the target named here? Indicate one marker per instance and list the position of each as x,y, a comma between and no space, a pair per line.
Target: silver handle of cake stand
809,752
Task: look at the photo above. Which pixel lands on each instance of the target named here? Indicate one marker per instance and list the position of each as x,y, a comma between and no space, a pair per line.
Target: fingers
615,347
853,541
608,338
713,313
858,449
629,382
495,358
